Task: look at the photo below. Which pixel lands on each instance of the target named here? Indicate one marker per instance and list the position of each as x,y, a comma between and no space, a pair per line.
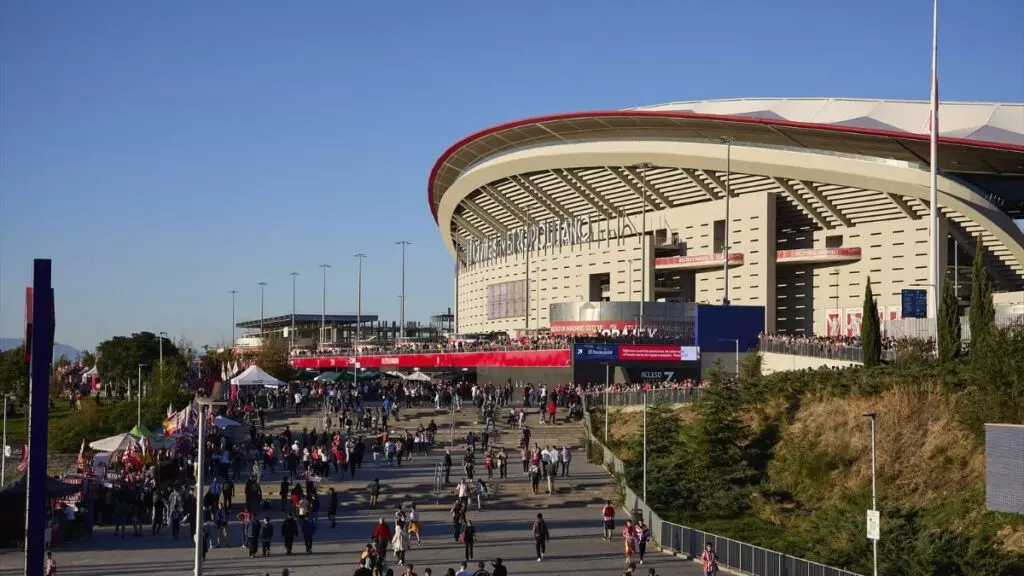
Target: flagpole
933,260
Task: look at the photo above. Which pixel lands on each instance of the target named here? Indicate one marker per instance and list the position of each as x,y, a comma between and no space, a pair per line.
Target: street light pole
291,345
3,457
737,342
359,298
728,196
233,292
401,309
204,404
645,444
262,286
138,417
874,501
641,170
323,307
607,384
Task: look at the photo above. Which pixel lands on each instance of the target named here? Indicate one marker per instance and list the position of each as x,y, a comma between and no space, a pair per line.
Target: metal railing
636,397
683,540
845,352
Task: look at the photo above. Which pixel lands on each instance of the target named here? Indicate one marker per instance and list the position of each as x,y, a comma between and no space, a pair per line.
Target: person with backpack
540,536
481,570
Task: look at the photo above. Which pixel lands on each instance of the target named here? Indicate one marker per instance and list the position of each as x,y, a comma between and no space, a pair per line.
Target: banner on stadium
510,359
598,327
660,353
585,352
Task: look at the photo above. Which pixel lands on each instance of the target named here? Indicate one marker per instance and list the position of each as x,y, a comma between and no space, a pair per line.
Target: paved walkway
573,516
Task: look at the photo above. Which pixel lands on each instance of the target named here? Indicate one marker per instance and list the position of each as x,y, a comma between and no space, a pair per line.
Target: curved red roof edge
694,116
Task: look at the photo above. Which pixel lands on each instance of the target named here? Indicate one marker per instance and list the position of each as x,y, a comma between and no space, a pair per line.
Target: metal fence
683,540
814,349
636,397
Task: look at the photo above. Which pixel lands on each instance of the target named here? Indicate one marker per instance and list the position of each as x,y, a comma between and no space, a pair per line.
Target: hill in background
58,348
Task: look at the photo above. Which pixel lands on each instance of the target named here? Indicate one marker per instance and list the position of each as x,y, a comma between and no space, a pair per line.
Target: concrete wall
772,362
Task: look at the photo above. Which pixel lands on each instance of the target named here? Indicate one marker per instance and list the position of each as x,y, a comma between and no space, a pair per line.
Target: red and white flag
23,464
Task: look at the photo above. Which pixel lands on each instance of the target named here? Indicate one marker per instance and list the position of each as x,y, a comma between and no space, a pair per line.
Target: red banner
514,359
651,353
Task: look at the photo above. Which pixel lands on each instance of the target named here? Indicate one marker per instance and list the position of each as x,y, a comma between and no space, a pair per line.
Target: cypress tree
870,330
949,323
982,315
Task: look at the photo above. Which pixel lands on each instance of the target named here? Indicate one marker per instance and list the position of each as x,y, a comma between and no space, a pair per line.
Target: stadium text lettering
550,234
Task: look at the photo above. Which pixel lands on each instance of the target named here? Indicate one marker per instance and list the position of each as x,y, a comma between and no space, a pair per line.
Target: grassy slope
819,481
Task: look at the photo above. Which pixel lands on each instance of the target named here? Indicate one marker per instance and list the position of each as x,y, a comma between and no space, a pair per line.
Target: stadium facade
546,215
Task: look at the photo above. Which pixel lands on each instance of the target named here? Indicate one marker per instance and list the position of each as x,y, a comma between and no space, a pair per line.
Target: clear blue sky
172,150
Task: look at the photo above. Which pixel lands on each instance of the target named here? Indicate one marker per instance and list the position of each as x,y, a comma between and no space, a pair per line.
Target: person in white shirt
463,571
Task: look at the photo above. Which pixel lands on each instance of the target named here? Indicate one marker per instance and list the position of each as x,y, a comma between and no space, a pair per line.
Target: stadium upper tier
833,163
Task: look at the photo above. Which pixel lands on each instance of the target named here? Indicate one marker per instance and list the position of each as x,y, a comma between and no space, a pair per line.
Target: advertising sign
659,353
584,352
593,327
519,359
657,375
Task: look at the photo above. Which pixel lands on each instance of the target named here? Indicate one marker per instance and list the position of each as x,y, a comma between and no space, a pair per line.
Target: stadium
572,223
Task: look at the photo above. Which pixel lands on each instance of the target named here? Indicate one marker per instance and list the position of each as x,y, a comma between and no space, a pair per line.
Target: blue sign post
592,352
914,303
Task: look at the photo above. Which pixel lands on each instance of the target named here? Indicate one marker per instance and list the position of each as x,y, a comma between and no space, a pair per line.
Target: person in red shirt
608,516
382,535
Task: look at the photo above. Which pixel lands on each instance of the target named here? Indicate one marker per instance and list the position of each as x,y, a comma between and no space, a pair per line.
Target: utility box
1004,468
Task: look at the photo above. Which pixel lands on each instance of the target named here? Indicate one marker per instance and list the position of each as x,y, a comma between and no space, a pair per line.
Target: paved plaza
503,529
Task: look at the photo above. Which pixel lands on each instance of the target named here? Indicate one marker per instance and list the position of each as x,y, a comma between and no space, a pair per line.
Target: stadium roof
974,138
275,322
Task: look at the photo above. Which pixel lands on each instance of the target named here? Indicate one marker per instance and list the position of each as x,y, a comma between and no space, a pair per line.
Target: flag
170,410
23,464
80,461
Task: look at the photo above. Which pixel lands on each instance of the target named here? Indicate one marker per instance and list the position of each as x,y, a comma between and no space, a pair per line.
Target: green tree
119,357
14,373
716,450
870,330
88,359
982,314
949,323
275,360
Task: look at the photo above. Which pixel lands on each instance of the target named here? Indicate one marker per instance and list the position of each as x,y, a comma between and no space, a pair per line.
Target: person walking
400,542
643,535
284,493
566,460
266,536
608,517
332,506
252,535
381,536
458,513
374,493
709,560
447,465
289,530
308,529
469,539
50,568
628,539
414,523
499,568
541,535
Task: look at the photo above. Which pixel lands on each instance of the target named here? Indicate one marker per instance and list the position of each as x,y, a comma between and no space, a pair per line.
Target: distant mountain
58,348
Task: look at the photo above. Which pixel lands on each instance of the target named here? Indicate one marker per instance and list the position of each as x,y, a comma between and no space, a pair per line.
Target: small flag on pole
23,464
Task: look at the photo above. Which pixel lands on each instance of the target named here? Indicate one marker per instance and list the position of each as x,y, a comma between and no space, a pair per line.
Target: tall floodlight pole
233,293
641,169
291,345
728,196
262,286
323,306
401,308
874,501
645,444
359,297
933,228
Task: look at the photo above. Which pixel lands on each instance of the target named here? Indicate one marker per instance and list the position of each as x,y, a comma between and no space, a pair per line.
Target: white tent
90,373
255,376
222,422
394,374
418,377
114,443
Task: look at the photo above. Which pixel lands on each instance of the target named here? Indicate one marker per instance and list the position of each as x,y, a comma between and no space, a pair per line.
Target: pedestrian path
503,528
